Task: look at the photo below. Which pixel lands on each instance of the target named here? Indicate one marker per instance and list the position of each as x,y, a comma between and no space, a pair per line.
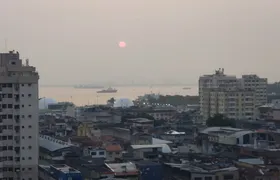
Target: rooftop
160,141
123,168
172,132
59,167
164,147
113,148
204,167
52,144
225,131
64,168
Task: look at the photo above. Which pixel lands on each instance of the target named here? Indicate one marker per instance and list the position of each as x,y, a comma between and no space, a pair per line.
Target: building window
29,147
29,105
22,127
29,95
13,63
22,116
29,126
101,153
23,169
23,158
22,137
29,137
29,116
22,147
22,105
30,158
29,84
29,178
22,95
22,84
93,153
29,169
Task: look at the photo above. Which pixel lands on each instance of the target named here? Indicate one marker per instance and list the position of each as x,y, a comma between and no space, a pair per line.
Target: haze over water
89,96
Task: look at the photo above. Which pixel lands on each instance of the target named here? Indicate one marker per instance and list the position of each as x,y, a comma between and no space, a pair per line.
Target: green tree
111,101
220,120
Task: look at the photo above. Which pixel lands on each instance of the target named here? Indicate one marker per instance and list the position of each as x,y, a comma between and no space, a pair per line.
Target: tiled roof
113,148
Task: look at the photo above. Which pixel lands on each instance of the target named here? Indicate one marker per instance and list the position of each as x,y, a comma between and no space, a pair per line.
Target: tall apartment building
217,80
19,118
234,103
224,84
258,84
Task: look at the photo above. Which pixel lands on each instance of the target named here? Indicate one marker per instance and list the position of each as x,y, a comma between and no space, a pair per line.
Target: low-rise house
95,152
128,170
206,171
113,152
174,136
62,108
141,123
150,170
141,138
157,113
58,172
99,115
148,151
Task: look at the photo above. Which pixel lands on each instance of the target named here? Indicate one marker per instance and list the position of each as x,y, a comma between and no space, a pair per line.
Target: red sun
122,44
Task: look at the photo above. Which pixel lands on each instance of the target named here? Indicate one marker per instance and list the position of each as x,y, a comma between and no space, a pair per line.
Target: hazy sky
76,41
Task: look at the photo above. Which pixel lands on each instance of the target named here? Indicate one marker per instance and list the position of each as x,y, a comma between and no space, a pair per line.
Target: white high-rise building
19,118
221,84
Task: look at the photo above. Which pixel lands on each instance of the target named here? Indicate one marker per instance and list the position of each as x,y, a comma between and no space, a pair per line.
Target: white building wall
29,109
19,110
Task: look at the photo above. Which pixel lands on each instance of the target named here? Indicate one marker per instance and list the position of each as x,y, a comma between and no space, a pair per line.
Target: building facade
233,103
19,122
259,85
232,96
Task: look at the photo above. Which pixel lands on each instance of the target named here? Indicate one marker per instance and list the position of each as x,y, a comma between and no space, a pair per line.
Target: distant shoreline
127,85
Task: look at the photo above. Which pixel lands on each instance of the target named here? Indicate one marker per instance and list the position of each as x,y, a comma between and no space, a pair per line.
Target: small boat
186,88
109,90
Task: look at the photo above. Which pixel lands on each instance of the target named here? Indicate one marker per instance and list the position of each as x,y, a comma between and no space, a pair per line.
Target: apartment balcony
16,139
17,98
17,129
17,150
8,132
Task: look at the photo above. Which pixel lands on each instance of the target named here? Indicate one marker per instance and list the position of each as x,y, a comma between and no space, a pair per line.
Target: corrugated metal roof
160,141
52,144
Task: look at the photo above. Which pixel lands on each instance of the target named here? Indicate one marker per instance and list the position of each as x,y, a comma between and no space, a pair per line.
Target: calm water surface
89,96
